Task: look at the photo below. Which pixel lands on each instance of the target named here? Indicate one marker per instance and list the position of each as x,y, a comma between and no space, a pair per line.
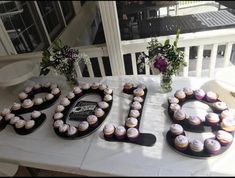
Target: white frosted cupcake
55,91
136,105
174,107
65,102
29,124
63,128
211,96
58,116
138,92
23,96
219,106
108,98
131,122
108,91
228,124
134,113
47,85
196,146
85,86
138,99
35,114
5,112
108,130
99,112
103,105
132,134
72,130
49,96
37,87
77,90
83,126
226,114
95,85
92,120
188,91
14,120
102,87
212,146
28,90
172,100
176,129
70,95
27,103
54,85
212,119
20,124
38,101
224,137
9,116
16,106
180,95
59,108
58,123
179,115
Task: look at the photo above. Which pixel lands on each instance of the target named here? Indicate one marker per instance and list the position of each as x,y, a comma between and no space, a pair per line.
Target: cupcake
199,94
212,146
176,129
134,113
138,99
63,128
212,119
136,105
37,87
70,96
138,92
85,86
103,105
179,115
131,122
5,112
108,130
23,96
132,134
72,130
128,88
92,120
20,123
35,114
189,92
173,100
108,91
65,102
83,126
95,85
49,97
9,116
102,87
77,91
56,92
16,107
58,123
28,103
180,95
14,120
219,106
226,114
211,96
29,90
196,146
120,132
225,138
141,85
173,108
99,112
29,124
59,108
181,143
108,98
58,116
228,124
194,122
37,101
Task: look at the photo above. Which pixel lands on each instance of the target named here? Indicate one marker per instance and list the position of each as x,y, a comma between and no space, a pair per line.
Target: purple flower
161,64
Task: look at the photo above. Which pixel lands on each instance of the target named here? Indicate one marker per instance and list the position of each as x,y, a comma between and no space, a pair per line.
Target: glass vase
165,83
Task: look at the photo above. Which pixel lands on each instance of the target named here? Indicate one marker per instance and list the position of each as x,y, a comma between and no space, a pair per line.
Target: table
94,156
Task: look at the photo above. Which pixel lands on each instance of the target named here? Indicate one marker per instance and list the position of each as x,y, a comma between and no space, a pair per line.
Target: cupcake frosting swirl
196,145
224,136
212,144
176,128
120,130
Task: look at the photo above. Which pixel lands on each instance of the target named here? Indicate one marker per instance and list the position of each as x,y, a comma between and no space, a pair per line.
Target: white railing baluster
90,70
227,54
134,66
199,61
101,65
186,58
213,60
147,68
77,69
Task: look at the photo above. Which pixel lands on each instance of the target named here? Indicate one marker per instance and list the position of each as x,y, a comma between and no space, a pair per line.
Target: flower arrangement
62,58
165,59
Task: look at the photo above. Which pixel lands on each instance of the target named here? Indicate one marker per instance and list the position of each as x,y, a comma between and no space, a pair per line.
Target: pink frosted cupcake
176,129
194,122
92,120
196,147
180,94
132,134
189,92
212,146
211,96
199,94
173,100
179,116
173,108
212,119
225,138
181,143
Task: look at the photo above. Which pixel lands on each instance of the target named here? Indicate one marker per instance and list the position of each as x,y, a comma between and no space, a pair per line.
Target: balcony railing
134,47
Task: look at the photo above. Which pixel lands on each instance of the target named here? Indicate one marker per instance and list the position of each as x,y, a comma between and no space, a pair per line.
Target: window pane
21,26
50,17
68,11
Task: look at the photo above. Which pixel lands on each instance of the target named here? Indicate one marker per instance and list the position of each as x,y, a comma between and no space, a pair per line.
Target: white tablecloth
94,156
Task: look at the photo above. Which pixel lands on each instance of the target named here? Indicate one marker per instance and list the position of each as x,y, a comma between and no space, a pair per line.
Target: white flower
51,59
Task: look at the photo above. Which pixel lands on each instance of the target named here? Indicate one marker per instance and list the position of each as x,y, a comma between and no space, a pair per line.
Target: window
20,26
51,17
67,9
